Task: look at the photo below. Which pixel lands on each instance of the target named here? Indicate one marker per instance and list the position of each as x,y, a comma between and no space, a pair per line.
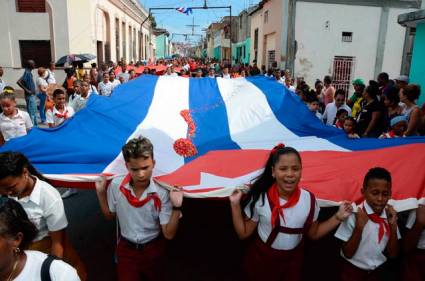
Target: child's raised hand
361,218
420,215
176,197
391,215
344,211
236,196
101,184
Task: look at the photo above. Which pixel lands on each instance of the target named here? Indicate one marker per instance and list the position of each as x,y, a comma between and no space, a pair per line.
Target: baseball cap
403,78
358,82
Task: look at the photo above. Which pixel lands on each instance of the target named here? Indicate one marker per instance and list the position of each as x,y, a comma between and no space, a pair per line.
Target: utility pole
204,7
192,25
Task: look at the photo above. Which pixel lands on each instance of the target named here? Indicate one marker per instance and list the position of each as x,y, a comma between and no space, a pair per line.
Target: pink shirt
328,95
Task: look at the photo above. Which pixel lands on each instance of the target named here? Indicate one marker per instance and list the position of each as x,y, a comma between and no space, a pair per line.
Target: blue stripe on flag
94,136
209,114
294,115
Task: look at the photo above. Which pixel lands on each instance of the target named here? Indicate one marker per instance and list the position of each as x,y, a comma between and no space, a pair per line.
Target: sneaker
69,193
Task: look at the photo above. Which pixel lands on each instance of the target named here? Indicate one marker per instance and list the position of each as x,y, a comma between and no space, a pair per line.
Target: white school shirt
15,126
295,217
78,102
409,224
226,76
105,89
139,225
44,207
115,83
59,270
2,85
369,254
51,117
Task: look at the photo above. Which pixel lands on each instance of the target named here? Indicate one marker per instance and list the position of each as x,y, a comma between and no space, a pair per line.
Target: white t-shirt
40,81
139,225
226,76
295,217
59,270
15,126
50,77
369,254
331,110
409,224
55,117
44,207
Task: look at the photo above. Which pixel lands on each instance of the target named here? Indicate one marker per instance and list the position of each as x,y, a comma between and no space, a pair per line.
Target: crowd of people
279,213
276,212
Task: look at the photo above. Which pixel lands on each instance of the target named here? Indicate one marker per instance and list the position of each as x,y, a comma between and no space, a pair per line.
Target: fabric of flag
211,136
187,11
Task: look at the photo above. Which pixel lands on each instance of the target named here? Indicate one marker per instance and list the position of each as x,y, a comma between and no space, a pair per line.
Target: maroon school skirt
350,272
262,262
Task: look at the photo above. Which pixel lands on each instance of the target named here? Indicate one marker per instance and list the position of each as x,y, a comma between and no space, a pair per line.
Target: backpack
45,268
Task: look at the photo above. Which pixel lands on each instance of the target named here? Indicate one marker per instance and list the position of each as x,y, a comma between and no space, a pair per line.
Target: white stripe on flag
162,125
252,123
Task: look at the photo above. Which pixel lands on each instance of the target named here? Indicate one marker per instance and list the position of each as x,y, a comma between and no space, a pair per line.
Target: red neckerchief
63,115
273,195
384,227
133,201
391,134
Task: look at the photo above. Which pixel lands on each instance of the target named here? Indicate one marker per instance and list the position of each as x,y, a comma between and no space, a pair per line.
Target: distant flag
186,11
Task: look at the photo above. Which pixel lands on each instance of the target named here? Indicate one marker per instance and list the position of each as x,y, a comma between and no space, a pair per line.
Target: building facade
163,44
416,21
241,49
342,38
45,30
348,40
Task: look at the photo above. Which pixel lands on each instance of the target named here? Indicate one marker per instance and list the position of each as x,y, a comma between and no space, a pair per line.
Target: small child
350,127
13,122
370,231
398,126
61,111
79,101
341,114
414,246
314,106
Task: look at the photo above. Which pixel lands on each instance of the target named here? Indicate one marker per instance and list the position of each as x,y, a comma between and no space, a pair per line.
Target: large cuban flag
211,136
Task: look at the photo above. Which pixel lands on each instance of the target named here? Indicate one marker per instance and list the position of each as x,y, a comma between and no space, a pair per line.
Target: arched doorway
103,36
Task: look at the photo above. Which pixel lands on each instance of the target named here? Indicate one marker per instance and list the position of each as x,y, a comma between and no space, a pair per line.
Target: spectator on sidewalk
329,91
408,96
332,108
26,82
50,76
42,93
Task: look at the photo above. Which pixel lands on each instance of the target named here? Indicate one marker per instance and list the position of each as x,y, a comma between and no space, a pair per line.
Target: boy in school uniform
414,246
60,111
146,212
370,231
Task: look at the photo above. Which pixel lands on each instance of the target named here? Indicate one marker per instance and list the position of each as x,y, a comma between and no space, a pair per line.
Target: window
124,47
31,6
347,36
266,16
271,55
343,68
256,39
37,50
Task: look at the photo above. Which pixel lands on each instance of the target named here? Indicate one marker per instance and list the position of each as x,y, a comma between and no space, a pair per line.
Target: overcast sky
176,22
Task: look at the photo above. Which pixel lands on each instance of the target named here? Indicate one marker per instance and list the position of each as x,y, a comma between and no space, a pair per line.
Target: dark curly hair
14,220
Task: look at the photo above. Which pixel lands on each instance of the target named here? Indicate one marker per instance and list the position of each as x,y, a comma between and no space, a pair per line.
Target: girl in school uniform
13,122
16,261
414,246
370,231
282,214
43,205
